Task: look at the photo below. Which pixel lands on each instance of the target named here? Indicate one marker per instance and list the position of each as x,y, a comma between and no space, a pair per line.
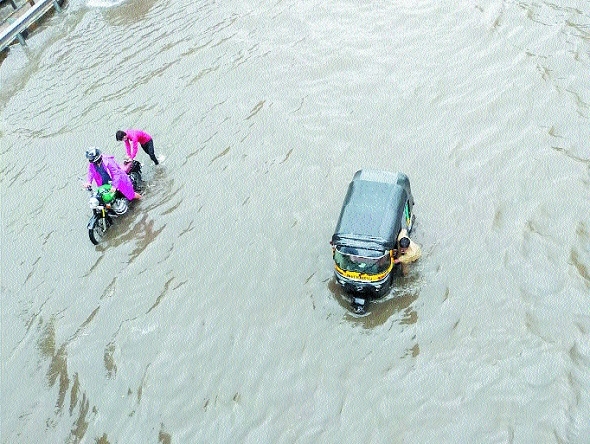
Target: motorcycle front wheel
98,229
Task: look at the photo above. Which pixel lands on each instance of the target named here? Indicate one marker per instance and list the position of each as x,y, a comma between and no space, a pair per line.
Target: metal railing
20,19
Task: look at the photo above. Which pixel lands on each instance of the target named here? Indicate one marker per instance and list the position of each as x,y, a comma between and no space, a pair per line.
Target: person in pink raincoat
103,169
132,137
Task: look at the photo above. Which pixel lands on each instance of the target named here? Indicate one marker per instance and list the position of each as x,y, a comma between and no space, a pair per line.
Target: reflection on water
164,437
109,360
57,372
126,12
58,366
397,307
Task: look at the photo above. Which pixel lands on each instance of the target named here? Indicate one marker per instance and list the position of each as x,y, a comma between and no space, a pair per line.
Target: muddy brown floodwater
209,314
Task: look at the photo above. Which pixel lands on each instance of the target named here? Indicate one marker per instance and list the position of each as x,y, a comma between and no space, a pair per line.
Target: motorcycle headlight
93,203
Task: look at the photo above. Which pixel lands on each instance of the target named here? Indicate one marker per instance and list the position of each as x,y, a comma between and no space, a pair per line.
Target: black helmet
404,242
93,154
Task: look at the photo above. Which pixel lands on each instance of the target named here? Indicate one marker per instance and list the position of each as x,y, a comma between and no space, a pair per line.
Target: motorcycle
107,205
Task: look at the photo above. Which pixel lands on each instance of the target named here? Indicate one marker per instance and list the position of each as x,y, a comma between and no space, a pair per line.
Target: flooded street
209,313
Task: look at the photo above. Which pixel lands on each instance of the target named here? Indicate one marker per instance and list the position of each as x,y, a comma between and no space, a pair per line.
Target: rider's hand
86,185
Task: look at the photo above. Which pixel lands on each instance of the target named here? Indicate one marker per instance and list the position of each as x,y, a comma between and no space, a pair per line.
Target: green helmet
105,193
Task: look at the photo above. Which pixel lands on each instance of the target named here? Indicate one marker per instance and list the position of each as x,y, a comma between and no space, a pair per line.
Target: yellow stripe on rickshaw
363,276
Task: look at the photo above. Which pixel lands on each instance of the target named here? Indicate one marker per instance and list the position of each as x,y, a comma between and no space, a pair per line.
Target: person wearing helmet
132,137
104,169
408,251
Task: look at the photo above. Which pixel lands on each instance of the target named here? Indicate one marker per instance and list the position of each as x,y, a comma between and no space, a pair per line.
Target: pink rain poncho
119,179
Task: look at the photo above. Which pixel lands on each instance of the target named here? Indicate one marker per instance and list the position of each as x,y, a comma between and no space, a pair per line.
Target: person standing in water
408,251
132,137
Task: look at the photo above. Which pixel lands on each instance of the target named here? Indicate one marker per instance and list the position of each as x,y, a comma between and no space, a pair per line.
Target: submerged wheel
135,180
97,231
358,309
358,305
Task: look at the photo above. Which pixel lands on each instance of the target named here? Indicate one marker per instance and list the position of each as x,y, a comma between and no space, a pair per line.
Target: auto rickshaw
377,206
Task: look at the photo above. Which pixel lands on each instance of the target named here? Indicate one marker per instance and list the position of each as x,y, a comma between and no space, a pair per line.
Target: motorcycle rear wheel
98,229
135,180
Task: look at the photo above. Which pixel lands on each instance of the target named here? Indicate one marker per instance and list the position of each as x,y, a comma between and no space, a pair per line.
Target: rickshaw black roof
372,211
